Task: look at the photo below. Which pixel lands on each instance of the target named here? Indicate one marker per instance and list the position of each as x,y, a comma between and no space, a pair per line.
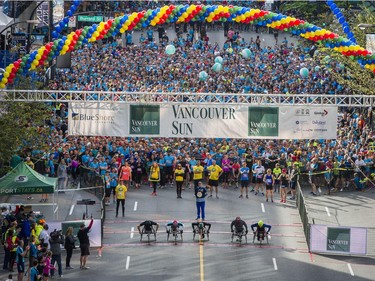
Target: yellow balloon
32,67
65,48
6,74
122,30
209,19
38,57
4,80
2,85
99,28
68,42
40,52
62,52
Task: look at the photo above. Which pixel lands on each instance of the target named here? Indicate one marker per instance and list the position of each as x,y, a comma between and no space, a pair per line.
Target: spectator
84,244
69,246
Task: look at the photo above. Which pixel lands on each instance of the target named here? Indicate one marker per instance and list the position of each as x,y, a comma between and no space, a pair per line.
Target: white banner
203,121
338,239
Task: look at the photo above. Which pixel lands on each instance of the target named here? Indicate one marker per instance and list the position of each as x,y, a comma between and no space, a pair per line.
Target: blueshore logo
321,113
97,118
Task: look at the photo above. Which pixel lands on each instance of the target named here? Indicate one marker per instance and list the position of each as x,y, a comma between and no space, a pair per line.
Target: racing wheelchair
239,234
149,233
201,230
176,234
262,237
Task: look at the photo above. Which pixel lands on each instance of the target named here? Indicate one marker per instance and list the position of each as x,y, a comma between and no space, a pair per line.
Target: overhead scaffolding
198,98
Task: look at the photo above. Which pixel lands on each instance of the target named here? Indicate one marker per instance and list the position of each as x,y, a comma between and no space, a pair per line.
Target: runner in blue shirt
245,176
169,161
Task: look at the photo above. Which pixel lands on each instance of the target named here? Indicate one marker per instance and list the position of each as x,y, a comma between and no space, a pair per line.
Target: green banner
144,119
90,18
338,239
263,122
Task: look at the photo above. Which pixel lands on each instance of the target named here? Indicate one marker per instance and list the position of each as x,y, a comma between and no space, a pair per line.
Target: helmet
260,223
175,222
238,219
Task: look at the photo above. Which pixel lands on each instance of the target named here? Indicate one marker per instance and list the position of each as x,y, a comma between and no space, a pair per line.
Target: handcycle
239,235
148,233
176,234
201,232
261,237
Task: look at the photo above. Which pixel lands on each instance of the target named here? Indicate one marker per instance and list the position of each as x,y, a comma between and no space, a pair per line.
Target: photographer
55,242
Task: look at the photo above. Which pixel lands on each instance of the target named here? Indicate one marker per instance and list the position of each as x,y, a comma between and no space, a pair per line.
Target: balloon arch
185,14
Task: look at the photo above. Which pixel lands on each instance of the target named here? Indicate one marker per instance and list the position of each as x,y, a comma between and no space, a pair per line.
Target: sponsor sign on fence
340,240
203,121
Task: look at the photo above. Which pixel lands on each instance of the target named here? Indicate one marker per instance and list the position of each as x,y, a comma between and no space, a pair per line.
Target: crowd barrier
341,240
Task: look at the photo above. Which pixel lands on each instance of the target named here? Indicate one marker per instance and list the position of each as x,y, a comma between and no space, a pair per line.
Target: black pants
69,253
56,259
179,188
118,205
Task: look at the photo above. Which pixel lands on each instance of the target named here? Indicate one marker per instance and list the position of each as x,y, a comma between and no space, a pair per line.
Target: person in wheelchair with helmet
202,228
238,227
260,229
175,228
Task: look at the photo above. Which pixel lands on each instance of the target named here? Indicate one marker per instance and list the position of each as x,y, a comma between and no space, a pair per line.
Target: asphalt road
286,257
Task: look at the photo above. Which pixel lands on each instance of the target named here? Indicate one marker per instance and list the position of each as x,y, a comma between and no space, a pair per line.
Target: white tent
4,20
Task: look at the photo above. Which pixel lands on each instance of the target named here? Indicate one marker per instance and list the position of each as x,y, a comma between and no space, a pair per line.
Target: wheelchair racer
174,227
148,227
260,228
201,226
238,227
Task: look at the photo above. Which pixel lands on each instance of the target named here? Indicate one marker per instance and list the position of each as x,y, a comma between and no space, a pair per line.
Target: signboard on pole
203,121
90,18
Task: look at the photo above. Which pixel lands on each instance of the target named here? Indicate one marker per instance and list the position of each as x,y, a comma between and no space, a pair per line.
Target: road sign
90,18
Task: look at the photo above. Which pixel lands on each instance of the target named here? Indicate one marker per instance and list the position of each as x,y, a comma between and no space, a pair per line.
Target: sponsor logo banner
263,122
338,239
203,121
144,120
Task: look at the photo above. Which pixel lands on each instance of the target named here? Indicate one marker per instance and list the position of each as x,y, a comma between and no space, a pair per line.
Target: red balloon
44,57
17,64
71,48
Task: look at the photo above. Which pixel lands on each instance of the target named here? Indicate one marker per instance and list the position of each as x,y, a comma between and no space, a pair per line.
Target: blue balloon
341,20
61,24
69,13
350,34
346,29
66,20
336,11
76,2
58,29
55,34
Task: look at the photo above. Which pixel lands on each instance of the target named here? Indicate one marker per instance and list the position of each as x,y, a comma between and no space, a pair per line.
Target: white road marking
71,210
262,205
274,263
350,269
132,233
328,213
56,210
127,262
135,206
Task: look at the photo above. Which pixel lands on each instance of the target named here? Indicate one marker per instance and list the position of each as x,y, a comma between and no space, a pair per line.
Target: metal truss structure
194,98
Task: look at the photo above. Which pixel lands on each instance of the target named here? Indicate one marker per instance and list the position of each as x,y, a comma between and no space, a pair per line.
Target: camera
56,234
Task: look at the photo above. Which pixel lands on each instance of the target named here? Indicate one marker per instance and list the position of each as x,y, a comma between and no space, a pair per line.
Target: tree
22,127
347,72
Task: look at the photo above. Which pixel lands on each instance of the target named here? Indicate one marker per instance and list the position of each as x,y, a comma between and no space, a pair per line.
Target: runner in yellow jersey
215,172
197,173
121,190
276,173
